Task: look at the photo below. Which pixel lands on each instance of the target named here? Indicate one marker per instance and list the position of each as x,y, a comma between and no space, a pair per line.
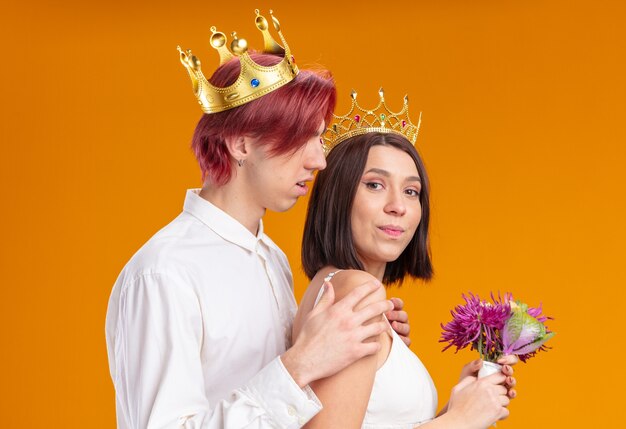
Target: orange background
523,137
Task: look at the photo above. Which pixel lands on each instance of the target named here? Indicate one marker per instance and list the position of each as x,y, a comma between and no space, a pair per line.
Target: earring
240,162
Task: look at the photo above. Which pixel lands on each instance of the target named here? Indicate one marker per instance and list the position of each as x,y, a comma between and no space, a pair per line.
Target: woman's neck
375,269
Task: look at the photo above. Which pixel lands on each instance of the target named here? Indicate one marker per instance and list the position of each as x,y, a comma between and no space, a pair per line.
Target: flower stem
480,342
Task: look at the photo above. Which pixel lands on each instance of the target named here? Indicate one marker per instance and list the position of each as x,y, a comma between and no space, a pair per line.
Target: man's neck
235,202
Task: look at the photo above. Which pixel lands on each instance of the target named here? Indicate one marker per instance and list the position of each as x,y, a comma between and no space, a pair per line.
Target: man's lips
302,187
302,183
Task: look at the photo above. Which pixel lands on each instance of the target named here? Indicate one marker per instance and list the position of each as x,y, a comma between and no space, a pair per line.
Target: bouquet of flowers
497,328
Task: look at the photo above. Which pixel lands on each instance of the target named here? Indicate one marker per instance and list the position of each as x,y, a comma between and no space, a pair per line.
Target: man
199,321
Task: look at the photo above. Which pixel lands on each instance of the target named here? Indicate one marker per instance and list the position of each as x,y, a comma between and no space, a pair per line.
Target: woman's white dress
403,395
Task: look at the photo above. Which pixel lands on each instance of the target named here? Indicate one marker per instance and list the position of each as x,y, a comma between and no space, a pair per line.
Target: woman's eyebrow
387,174
379,171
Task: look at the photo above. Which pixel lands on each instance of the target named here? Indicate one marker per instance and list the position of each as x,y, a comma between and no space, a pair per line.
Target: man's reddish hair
284,119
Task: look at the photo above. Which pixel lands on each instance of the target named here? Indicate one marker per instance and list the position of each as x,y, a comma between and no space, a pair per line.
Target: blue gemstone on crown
254,83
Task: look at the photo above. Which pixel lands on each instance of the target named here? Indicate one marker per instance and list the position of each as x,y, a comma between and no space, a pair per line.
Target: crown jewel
254,80
379,119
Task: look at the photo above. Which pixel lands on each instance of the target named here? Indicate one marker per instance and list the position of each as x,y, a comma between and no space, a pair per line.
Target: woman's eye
413,192
373,185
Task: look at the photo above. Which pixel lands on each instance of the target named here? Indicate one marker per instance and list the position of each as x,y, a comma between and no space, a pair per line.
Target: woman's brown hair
327,238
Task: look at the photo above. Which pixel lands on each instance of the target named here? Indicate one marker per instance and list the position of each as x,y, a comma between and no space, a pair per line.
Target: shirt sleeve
157,370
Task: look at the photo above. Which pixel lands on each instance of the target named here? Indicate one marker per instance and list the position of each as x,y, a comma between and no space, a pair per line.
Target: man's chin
283,206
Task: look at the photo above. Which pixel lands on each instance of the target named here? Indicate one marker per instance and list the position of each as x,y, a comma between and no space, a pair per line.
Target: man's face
277,182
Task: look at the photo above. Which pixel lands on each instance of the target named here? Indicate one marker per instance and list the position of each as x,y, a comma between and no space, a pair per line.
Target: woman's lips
391,230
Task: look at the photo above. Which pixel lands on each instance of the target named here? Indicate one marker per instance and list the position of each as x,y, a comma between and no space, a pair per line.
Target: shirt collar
222,223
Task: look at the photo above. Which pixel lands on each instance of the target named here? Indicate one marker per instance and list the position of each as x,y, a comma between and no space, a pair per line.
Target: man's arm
334,334
346,394
154,335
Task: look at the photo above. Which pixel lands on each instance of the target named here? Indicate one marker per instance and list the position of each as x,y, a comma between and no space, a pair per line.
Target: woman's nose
395,205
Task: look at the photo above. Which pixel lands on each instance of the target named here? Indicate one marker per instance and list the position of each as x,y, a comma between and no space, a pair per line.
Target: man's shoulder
170,250
278,252
272,245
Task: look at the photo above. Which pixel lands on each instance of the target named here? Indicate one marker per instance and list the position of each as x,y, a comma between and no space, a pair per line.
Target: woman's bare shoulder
345,281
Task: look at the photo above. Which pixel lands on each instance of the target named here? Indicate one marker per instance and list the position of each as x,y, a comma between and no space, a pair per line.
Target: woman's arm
473,403
345,395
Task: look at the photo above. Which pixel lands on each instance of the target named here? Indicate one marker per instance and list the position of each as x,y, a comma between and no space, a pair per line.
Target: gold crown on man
362,121
254,80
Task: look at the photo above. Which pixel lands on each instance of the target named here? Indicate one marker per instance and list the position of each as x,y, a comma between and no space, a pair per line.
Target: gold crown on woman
362,121
254,80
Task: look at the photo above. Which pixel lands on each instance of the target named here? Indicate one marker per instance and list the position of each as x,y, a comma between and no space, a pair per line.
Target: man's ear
238,147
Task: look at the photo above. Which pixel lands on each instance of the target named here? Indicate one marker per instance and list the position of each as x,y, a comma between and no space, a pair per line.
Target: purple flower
496,328
477,324
536,313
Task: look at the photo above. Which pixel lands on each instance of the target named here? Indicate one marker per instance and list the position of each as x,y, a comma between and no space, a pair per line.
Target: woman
368,218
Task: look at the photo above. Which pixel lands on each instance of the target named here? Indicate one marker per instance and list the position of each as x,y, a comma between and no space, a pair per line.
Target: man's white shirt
195,324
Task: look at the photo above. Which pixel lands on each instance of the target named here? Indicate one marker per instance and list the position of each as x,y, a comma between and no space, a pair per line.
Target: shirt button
301,421
291,410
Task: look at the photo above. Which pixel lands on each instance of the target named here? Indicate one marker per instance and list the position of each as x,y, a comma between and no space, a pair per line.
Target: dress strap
330,275
321,292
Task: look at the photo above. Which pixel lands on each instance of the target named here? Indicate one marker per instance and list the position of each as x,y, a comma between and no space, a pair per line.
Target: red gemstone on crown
357,118
403,124
293,59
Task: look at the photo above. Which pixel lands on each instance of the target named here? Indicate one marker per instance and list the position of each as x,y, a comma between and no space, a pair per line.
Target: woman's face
386,210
